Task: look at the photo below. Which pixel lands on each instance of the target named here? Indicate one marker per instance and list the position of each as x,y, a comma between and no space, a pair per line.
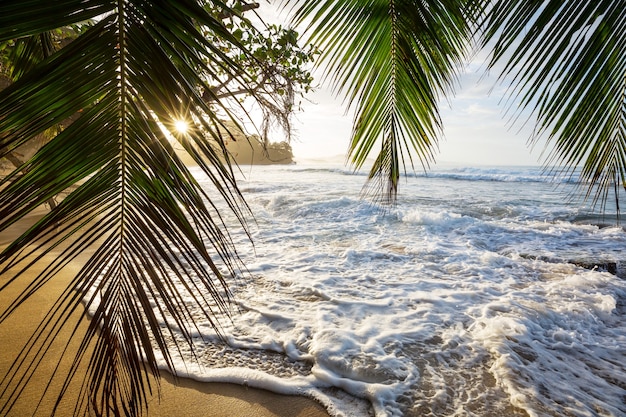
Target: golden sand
183,397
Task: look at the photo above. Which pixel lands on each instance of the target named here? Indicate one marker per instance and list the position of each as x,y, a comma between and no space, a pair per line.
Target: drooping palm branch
131,199
394,61
567,63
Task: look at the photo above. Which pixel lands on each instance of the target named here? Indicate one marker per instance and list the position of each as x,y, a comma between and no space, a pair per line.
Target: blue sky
476,128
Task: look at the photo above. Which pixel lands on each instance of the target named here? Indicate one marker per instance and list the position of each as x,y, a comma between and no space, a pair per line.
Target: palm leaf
131,199
393,61
567,63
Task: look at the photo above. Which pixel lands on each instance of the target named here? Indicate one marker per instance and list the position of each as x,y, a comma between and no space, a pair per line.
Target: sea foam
462,299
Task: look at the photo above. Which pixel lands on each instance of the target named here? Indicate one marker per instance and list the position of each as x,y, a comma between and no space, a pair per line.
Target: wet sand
181,397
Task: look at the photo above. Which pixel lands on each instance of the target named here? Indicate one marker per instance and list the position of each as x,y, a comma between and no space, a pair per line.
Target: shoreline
178,396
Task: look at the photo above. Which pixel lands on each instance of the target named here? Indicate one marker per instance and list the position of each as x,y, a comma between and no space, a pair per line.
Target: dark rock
616,268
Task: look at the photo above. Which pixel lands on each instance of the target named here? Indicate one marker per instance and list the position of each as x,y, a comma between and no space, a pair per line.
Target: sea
483,291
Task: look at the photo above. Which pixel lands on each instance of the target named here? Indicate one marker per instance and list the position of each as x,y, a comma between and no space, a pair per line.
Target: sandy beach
182,397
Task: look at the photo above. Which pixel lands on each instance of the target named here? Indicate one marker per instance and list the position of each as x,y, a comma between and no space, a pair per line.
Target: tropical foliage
394,61
157,237
276,70
130,199
567,63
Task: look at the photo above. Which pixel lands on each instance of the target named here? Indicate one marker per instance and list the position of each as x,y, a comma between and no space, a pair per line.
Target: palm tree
395,60
567,60
138,69
145,64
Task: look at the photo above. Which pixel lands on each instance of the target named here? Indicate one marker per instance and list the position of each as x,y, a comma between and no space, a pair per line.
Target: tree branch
244,8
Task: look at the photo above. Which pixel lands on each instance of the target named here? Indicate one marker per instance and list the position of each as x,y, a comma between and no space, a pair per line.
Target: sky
476,128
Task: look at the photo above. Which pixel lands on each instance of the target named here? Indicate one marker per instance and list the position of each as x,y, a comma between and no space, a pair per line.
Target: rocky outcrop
252,151
617,268
244,150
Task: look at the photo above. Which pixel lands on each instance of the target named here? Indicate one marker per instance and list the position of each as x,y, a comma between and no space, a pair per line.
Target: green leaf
567,60
158,238
393,61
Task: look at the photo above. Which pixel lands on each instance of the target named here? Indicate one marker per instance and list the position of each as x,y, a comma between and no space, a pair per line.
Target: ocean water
466,298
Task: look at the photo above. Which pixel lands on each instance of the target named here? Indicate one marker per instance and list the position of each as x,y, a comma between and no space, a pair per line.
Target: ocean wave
504,174
466,297
531,174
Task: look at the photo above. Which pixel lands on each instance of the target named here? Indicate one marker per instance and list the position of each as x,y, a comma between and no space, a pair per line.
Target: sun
181,126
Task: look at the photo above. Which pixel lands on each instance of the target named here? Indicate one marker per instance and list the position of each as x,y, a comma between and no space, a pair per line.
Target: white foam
460,300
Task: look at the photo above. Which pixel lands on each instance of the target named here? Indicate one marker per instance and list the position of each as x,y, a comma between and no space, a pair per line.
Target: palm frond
393,61
567,63
130,198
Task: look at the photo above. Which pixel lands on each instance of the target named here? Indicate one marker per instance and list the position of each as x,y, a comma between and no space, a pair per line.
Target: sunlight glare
181,126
